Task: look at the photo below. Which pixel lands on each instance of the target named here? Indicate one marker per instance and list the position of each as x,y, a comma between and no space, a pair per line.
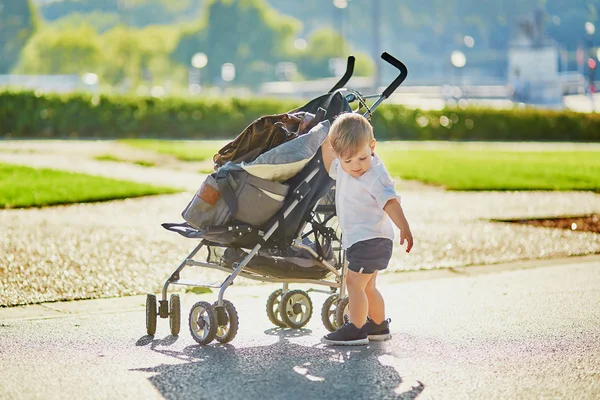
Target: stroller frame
219,321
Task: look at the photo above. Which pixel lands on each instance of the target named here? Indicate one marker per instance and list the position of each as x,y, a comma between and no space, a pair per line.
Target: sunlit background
541,52
127,102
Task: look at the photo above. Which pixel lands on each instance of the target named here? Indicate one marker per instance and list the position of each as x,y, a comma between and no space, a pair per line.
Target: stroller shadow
150,340
282,370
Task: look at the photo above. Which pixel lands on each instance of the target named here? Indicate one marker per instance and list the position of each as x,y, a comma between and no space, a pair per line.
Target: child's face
359,163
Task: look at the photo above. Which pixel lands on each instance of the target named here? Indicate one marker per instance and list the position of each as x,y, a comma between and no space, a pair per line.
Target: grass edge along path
23,187
111,158
454,166
183,150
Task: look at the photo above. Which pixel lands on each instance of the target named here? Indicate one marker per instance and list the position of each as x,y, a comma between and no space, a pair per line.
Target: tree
322,46
246,33
133,53
126,58
67,51
17,24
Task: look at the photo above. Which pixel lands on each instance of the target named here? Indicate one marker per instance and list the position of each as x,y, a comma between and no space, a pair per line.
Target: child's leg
356,283
375,300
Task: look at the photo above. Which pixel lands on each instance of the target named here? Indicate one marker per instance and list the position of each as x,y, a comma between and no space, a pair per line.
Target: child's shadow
282,370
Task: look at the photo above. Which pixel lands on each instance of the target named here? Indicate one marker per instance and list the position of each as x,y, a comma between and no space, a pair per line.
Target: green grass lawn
184,150
493,167
31,187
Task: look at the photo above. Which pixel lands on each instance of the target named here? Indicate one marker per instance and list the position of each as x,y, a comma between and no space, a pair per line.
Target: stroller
299,242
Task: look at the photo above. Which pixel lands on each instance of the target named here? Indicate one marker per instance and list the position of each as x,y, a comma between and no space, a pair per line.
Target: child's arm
394,210
327,153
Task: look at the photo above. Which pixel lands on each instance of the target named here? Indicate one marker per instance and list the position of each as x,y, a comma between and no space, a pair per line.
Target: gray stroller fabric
301,257
250,192
231,193
302,148
288,263
287,159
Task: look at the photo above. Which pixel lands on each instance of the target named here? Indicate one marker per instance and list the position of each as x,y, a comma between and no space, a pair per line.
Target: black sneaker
347,335
378,332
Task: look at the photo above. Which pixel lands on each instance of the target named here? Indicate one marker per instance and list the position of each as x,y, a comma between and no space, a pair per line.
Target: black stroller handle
347,75
399,79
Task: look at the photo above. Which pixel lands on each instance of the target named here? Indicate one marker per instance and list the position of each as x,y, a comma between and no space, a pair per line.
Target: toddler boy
365,201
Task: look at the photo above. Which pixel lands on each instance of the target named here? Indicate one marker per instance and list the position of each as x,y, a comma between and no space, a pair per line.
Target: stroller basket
272,232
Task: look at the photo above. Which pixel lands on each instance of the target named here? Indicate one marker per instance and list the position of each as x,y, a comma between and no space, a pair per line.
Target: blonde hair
349,133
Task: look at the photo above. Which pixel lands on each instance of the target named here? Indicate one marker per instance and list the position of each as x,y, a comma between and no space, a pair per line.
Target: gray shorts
371,255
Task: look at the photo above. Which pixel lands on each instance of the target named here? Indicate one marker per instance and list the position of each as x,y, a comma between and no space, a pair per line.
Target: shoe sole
357,342
380,338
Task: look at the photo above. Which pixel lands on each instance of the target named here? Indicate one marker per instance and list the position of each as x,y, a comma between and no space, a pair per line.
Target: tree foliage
100,21
136,54
131,12
323,45
17,24
65,51
120,56
257,35
246,33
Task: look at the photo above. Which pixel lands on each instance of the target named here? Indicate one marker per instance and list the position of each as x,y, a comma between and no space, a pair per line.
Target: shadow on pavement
281,370
150,340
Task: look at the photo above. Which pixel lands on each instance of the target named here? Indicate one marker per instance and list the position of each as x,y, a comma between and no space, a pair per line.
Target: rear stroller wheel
151,314
174,314
328,312
203,322
342,312
273,303
227,329
295,309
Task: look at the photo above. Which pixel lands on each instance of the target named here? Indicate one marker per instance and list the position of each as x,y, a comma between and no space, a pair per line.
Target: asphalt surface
519,331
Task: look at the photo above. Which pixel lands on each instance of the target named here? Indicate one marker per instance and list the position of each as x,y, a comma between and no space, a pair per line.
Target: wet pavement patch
582,223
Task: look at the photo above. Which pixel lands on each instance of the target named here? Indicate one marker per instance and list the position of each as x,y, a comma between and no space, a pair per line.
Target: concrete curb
65,309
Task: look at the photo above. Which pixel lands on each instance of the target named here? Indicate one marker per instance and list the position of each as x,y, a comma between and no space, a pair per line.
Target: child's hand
406,235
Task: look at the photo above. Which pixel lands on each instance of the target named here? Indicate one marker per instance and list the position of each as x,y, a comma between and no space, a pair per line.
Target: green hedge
27,115
479,124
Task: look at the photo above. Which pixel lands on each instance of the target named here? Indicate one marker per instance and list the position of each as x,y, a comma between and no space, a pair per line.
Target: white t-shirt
359,202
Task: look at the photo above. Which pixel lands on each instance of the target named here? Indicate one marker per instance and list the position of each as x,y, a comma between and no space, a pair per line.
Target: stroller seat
289,263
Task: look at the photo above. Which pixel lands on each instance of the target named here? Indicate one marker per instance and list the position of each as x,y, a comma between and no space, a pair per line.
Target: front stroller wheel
342,312
203,322
227,329
328,312
151,314
174,314
295,309
273,303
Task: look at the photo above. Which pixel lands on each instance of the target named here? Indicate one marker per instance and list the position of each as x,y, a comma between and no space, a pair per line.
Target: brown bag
264,134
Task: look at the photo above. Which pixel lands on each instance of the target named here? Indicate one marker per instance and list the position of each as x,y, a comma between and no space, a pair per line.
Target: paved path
518,331
119,248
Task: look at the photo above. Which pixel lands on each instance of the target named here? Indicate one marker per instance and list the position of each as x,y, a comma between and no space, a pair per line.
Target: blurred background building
492,52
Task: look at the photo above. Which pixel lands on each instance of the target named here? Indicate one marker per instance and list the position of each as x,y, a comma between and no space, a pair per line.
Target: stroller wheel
295,309
227,331
273,309
151,314
328,312
174,314
203,322
342,312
